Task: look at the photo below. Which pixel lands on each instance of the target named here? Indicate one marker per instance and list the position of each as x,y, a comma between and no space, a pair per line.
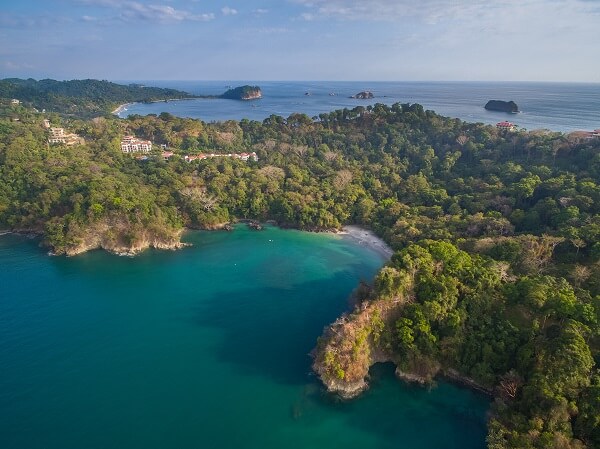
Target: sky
387,40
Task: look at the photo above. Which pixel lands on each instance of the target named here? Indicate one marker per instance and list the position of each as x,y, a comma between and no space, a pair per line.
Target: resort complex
131,144
59,136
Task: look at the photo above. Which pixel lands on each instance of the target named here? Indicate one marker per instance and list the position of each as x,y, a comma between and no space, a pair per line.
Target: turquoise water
556,106
206,347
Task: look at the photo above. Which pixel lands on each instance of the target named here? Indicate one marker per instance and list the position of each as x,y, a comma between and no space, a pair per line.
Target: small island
502,106
243,93
364,95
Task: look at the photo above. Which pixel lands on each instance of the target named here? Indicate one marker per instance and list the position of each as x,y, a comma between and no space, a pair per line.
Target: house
14,101
591,134
59,136
167,154
46,123
131,144
505,126
247,156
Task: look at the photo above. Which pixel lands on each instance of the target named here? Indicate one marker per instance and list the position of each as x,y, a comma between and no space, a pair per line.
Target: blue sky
535,40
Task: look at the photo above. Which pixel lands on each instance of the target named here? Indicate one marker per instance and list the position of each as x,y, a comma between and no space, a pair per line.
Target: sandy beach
367,238
121,108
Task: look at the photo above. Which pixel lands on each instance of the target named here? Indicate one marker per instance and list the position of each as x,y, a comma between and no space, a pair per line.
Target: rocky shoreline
95,238
123,250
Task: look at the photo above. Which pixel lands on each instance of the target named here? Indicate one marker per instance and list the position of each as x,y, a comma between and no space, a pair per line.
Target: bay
563,107
206,347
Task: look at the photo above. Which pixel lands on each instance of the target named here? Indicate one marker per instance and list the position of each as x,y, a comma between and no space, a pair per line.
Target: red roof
504,125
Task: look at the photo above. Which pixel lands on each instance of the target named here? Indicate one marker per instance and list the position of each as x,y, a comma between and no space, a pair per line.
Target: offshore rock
502,106
243,93
364,95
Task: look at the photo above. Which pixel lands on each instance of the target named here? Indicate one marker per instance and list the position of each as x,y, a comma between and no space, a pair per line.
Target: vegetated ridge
82,98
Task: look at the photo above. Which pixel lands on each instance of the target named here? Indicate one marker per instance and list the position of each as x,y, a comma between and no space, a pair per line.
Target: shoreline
355,233
121,108
368,238
124,106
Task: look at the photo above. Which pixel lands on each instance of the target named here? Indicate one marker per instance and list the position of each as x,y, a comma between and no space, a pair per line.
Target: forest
496,273
81,98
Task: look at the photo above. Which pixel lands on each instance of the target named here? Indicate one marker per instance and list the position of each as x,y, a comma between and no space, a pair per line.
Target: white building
131,144
58,135
246,156
15,101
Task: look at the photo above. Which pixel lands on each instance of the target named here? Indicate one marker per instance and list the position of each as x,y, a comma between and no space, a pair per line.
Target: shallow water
206,347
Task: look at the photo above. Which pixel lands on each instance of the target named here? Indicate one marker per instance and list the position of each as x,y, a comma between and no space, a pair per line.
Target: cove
206,347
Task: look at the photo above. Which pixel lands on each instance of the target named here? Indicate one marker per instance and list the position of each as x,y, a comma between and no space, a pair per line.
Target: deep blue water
556,106
206,347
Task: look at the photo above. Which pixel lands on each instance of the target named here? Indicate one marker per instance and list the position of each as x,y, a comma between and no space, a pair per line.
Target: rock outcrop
350,346
364,95
502,106
118,236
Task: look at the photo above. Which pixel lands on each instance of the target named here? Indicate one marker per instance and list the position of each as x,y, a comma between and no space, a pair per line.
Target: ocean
206,347
563,107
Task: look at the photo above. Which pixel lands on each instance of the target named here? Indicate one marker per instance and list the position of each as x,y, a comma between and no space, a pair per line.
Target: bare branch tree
342,179
201,196
510,384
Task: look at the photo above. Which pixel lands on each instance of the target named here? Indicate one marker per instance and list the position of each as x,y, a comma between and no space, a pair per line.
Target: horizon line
117,80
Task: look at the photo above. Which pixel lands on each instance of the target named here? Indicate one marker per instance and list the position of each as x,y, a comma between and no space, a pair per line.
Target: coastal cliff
351,345
243,93
116,235
502,106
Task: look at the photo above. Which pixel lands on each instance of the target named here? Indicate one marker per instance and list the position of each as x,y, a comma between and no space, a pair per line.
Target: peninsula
83,98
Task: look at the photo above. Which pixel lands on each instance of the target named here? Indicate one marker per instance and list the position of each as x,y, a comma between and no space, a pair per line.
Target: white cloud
12,66
467,39
137,11
271,30
227,11
432,11
20,21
